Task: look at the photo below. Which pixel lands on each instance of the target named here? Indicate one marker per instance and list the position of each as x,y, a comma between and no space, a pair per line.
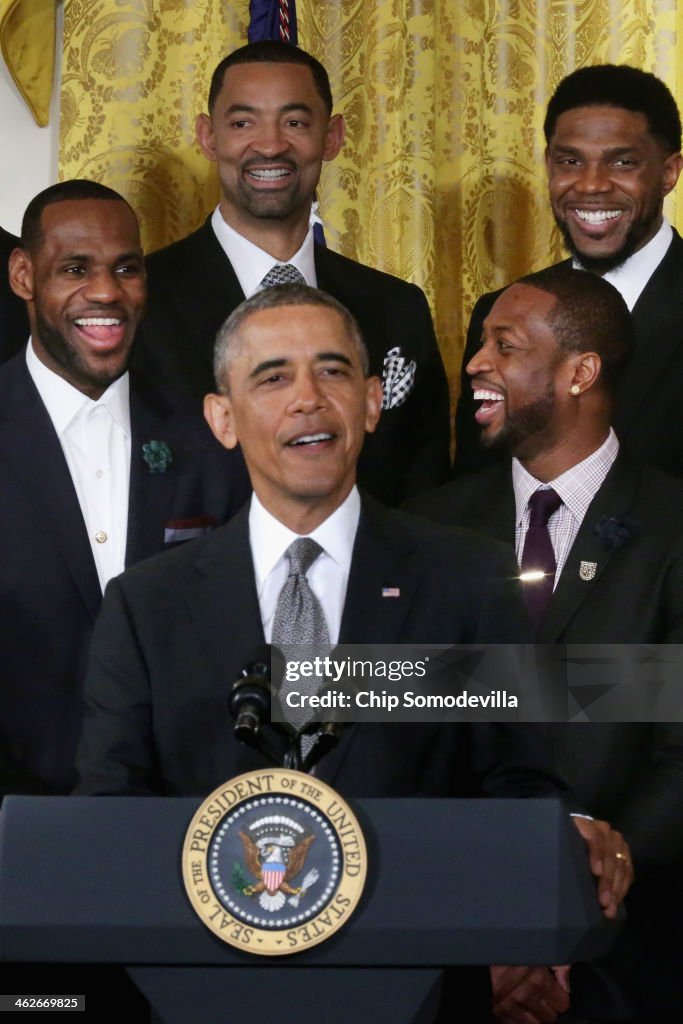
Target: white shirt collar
631,277
251,264
269,538
577,486
64,402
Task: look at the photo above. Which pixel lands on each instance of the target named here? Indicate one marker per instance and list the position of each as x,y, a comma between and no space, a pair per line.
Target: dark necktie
538,555
299,623
281,273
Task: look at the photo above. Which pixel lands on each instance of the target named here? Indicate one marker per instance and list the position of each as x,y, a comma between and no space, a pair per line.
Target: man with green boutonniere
98,467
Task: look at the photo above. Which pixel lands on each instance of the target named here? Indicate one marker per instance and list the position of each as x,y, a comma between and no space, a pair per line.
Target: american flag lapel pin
391,591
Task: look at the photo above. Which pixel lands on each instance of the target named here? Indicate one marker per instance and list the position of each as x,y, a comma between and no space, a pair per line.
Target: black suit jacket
648,415
175,633
14,329
629,774
49,588
193,289
648,566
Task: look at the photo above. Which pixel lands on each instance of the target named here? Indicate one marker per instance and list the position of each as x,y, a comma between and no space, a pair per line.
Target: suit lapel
660,302
322,269
325,274
381,587
212,289
380,555
150,494
31,447
222,599
613,500
340,277
492,508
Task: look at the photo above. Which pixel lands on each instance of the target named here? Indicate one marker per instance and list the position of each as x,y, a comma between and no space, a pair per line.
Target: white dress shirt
631,277
576,487
95,438
251,264
328,576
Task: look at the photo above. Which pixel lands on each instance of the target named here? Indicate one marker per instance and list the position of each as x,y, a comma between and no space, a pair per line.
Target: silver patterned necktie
299,623
281,273
299,618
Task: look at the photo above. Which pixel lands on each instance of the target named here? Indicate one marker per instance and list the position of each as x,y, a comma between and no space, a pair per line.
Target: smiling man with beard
599,542
98,468
613,136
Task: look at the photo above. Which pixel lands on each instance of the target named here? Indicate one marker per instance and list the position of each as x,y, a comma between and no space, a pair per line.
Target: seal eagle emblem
274,862
275,853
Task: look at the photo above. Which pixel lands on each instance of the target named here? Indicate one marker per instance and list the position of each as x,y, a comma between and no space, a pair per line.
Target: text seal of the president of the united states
274,862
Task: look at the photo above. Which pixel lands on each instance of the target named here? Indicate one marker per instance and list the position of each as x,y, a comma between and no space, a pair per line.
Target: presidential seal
274,861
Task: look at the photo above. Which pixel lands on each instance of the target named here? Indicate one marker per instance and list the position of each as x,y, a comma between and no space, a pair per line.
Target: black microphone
249,699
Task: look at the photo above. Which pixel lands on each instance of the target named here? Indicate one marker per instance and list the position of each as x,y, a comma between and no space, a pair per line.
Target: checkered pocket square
398,378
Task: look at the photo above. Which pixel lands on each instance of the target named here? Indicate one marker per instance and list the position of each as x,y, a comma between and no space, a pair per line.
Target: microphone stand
250,705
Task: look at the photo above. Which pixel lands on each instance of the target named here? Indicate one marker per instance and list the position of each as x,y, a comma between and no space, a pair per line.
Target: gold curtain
135,74
441,179
27,39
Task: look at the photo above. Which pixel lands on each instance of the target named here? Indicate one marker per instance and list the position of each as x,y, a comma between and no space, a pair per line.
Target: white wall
28,154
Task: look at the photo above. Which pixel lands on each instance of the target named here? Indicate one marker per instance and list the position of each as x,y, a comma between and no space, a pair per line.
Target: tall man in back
613,136
269,129
98,468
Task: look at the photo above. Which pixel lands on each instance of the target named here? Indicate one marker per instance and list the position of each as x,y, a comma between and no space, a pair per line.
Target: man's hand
610,860
529,995
536,995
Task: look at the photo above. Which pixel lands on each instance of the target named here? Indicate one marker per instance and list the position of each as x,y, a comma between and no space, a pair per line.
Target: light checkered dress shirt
576,487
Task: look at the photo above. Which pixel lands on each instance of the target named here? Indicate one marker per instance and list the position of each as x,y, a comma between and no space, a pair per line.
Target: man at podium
176,632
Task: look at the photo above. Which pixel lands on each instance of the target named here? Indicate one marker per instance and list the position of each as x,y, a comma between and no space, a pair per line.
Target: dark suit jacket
14,328
648,415
49,588
175,633
193,288
648,566
629,774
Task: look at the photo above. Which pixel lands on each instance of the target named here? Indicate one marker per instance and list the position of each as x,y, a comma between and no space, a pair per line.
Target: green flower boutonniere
157,455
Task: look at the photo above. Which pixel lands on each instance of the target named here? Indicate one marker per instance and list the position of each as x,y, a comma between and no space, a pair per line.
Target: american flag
391,591
272,19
